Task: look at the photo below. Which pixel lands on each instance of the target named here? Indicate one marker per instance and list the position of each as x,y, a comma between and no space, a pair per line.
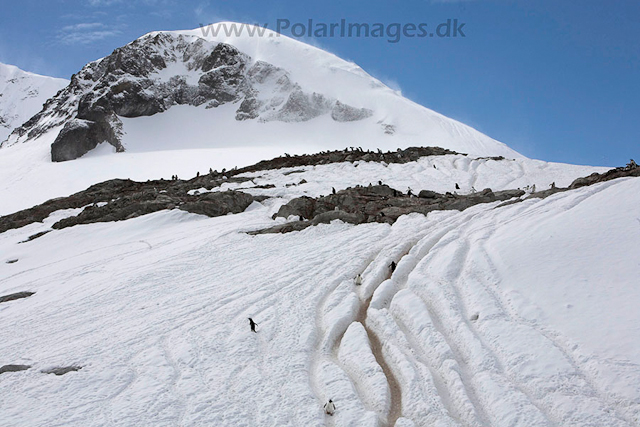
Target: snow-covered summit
197,89
22,95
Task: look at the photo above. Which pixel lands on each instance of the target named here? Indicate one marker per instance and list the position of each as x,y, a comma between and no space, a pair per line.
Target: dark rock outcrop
345,113
219,203
631,169
36,235
61,370
15,296
352,154
13,368
127,199
379,203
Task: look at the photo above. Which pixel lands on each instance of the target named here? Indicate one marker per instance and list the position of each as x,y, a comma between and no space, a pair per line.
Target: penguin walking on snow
253,325
330,407
358,280
392,266
457,186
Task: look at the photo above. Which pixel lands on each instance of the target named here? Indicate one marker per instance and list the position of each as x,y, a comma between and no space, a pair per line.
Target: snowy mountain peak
22,95
216,89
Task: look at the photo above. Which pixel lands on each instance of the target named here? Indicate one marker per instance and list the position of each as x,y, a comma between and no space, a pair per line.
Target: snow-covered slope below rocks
518,315
22,95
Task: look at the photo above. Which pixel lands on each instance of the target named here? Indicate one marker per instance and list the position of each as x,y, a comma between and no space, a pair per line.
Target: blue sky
556,80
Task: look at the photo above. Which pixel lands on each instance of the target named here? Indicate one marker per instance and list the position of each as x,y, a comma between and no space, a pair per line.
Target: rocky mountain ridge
156,72
119,199
22,95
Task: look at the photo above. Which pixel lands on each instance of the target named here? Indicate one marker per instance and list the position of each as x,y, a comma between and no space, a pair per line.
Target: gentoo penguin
333,190
330,407
457,186
392,266
379,182
358,280
253,325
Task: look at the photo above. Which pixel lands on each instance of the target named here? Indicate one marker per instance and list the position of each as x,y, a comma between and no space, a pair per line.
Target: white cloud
86,33
101,3
84,26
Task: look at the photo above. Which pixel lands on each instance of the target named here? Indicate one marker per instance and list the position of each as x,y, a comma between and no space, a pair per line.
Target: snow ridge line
406,264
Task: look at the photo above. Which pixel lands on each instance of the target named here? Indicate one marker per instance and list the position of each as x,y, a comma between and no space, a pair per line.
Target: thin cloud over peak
86,33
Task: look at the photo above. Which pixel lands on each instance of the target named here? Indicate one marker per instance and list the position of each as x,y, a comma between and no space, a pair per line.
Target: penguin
392,266
210,171
198,174
434,166
553,185
457,186
409,193
379,182
330,407
358,280
333,190
253,325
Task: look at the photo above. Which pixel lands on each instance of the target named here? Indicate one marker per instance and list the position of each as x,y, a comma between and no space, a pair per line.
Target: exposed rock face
15,296
631,169
119,199
61,370
378,203
151,196
13,368
345,113
217,204
148,200
79,136
352,154
158,71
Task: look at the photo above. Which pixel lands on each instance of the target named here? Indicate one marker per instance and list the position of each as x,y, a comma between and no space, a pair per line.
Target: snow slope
520,315
22,95
317,71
